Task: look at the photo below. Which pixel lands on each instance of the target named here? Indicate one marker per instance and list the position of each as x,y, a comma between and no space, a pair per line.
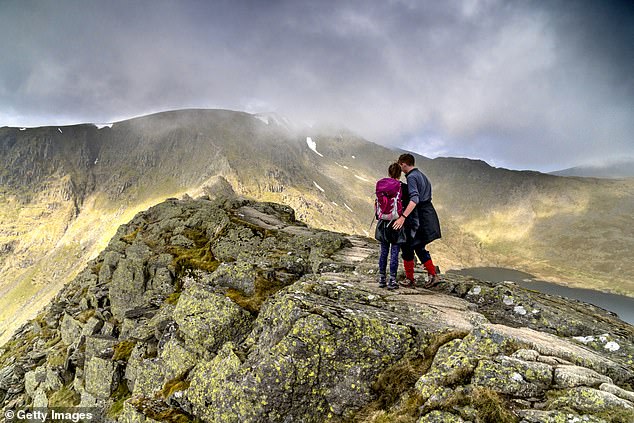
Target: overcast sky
521,84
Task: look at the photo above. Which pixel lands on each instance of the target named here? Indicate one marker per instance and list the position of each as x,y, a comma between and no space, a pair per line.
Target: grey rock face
235,312
208,320
101,377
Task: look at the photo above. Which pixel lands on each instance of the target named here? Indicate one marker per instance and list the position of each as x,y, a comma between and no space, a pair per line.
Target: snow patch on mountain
264,119
318,187
313,146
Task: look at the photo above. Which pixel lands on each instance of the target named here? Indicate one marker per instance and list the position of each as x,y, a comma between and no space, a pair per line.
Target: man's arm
401,219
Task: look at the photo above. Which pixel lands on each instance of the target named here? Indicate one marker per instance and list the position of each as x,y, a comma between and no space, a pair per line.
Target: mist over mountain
65,190
612,170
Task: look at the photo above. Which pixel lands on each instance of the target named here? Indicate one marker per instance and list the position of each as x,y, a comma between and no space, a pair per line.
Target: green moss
173,386
18,346
118,397
173,298
56,356
65,397
96,268
200,256
129,238
123,350
617,415
85,315
491,407
264,288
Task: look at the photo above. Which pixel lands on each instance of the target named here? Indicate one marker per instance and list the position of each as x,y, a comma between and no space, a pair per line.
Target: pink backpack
388,204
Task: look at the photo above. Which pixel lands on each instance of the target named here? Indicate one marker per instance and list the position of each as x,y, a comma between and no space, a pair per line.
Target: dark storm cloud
521,84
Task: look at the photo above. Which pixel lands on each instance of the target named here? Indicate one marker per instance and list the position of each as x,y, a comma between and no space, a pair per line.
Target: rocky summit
230,310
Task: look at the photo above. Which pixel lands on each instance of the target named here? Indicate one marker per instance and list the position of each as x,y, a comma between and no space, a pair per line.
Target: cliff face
233,311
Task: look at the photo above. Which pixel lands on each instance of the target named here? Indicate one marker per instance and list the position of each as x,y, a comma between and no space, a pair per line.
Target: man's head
406,162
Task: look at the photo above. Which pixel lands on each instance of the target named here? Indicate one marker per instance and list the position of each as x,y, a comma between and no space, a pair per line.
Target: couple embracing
407,222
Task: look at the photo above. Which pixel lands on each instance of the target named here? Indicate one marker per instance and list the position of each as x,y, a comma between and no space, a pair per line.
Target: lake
619,304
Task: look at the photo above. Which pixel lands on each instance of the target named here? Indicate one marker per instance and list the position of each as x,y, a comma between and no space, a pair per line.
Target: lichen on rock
233,311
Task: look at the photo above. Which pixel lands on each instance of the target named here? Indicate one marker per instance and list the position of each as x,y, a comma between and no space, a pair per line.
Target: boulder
589,400
101,377
573,376
511,376
207,320
71,329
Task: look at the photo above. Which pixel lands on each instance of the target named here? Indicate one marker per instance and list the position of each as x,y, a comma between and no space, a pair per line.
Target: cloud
527,84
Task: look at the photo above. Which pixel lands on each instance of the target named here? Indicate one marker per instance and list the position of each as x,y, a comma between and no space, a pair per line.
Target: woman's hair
394,171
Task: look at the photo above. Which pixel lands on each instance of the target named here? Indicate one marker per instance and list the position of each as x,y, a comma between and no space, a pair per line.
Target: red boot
429,266
434,278
409,273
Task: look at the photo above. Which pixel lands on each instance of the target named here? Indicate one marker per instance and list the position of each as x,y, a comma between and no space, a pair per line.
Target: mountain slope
66,190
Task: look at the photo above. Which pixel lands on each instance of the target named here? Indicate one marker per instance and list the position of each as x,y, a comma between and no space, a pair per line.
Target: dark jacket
385,233
422,225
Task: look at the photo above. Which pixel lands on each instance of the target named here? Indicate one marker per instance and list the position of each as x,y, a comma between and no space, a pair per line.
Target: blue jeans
385,250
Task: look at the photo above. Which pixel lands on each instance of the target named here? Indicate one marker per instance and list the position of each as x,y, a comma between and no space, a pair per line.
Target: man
420,221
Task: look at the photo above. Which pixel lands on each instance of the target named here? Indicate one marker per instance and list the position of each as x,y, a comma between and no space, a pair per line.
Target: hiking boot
392,284
382,283
434,280
408,283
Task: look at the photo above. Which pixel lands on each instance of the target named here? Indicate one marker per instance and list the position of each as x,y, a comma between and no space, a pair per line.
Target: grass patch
119,397
18,346
617,415
491,407
57,355
264,288
129,238
53,341
199,256
85,315
96,268
173,386
65,397
397,382
123,350
173,298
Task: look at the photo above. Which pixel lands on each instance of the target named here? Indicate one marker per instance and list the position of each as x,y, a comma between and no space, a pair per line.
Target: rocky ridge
230,310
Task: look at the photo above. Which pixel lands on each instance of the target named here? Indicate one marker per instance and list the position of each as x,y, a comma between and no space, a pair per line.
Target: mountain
65,191
232,310
614,170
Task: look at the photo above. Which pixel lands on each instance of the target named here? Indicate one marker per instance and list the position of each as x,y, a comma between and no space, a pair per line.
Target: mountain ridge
71,188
